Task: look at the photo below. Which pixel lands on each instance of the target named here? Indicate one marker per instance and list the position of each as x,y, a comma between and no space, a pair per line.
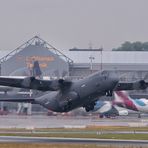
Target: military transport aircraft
63,95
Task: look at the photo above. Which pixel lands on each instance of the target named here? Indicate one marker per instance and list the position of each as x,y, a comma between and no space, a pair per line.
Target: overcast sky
73,23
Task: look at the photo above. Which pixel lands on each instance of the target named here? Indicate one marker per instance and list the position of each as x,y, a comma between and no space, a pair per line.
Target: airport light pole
101,49
2,103
91,62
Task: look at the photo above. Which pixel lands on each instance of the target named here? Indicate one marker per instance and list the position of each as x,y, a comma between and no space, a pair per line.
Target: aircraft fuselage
81,93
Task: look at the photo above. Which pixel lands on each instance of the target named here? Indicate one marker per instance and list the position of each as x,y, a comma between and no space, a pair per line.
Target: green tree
135,46
145,46
126,46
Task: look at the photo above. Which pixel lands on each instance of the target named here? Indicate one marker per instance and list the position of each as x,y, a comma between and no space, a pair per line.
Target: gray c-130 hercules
65,95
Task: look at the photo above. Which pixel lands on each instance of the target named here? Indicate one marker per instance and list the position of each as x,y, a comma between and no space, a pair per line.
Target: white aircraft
108,109
123,99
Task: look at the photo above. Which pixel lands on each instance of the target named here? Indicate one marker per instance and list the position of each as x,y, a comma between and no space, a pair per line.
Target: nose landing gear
90,107
109,93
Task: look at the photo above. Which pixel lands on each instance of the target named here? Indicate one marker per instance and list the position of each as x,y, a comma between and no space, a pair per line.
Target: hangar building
52,62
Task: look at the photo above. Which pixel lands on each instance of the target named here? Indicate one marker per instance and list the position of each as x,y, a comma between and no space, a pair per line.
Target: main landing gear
90,107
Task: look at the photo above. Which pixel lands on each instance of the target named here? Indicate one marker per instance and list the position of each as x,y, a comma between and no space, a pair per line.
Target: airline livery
123,99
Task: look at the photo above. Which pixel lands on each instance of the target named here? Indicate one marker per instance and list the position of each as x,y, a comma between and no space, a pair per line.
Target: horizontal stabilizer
18,100
33,83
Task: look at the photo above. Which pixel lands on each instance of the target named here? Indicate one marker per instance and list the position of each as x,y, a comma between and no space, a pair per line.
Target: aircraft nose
116,80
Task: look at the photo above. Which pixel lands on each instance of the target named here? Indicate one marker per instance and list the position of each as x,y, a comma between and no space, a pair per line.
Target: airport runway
39,121
42,121
19,139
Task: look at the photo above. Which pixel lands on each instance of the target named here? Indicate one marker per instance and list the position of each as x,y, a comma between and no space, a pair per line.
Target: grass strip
22,145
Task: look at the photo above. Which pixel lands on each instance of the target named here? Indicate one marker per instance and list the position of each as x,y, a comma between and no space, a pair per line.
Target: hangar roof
125,57
37,41
107,56
4,53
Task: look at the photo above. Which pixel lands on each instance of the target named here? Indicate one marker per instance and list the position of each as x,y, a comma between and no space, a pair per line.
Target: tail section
121,96
36,70
122,99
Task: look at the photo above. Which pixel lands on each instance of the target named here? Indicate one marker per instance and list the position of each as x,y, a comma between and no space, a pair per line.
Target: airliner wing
33,83
138,85
139,95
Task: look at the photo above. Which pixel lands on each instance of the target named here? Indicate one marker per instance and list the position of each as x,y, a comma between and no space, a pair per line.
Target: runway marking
21,139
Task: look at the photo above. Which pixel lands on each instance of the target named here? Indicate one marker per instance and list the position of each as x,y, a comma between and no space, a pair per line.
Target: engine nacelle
27,81
69,99
123,112
140,85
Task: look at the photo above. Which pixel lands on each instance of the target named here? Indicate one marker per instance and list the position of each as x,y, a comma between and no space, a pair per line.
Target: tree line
132,46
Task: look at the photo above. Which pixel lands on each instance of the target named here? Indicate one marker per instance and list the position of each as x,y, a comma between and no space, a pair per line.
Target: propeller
64,73
146,76
142,84
56,73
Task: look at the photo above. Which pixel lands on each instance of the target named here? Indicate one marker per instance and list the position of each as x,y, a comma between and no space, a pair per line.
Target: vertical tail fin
36,70
125,100
121,96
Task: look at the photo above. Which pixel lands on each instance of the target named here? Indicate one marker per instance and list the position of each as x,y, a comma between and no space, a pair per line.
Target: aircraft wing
138,85
139,95
5,88
33,83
